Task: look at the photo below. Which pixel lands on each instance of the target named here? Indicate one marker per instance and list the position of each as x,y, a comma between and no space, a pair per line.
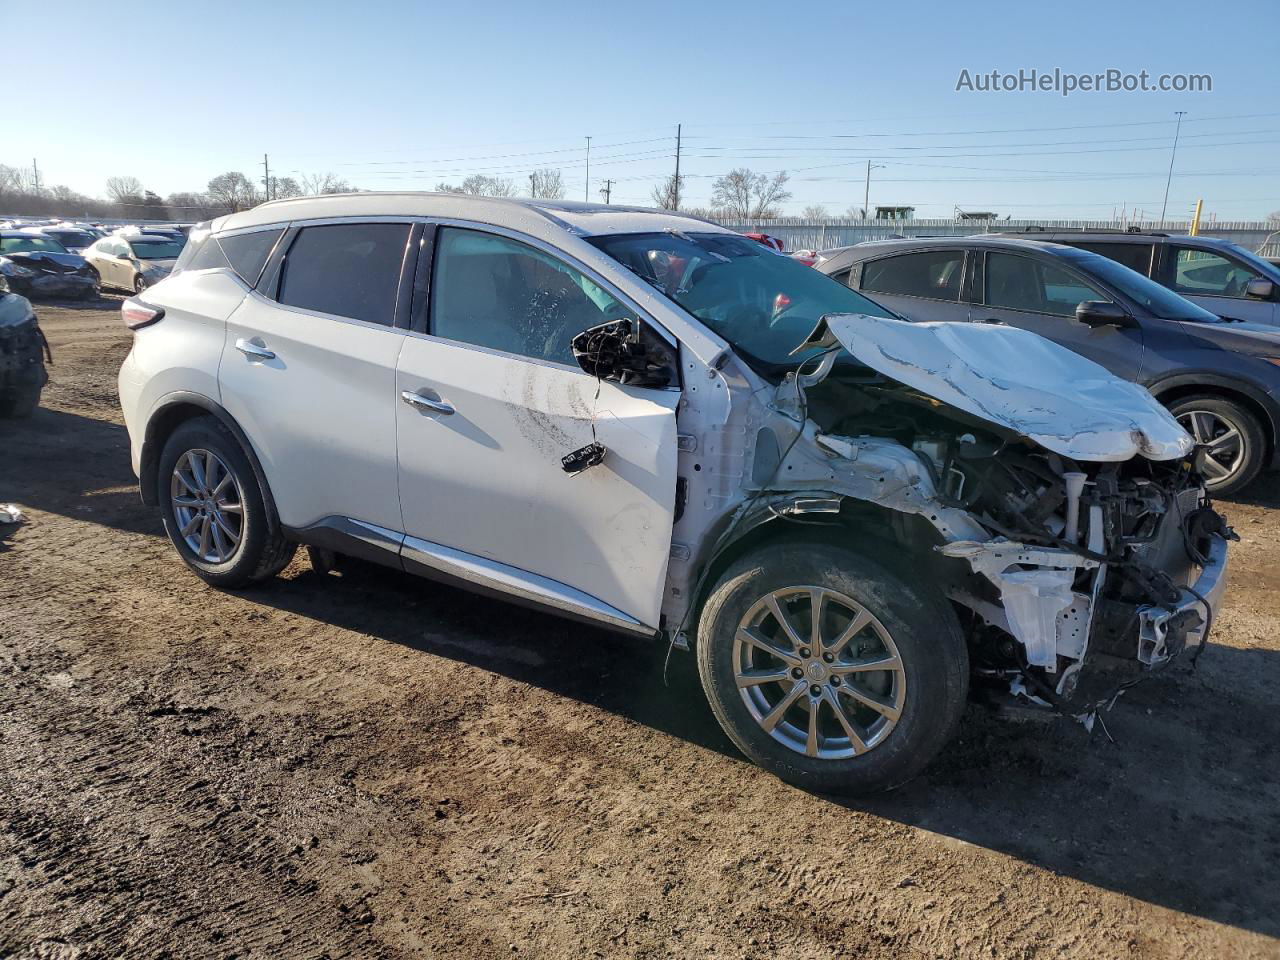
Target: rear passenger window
935,275
347,269
498,293
1135,256
247,252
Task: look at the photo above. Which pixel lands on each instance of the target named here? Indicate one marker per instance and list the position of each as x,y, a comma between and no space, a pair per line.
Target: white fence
799,234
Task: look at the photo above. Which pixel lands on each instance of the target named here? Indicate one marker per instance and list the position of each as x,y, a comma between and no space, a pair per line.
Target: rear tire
139,283
1237,443
910,628
241,513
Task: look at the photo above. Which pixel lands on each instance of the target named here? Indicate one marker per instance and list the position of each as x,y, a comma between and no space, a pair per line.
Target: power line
1172,153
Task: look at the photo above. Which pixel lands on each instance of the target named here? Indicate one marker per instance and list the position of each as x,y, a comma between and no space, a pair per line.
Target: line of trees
127,198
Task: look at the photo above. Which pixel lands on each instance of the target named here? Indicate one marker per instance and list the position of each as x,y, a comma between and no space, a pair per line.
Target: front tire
139,283
1231,444
861,703
213,509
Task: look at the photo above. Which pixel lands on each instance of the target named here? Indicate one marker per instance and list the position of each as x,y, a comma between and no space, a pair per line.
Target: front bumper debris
1165,632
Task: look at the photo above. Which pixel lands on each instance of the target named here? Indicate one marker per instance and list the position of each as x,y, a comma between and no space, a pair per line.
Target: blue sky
391,94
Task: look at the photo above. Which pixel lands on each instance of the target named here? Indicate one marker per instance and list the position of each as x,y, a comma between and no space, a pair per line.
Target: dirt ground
371,765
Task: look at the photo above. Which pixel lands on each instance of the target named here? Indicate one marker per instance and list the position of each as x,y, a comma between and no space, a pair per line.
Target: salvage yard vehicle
23,350
643,421
134,261
39,266
1221,379
1218,275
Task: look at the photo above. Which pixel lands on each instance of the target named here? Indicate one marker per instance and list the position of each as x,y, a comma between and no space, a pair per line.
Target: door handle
442,407
251,349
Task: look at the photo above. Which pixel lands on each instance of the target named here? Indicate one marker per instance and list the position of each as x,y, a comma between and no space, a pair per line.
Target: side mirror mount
1260,288
623,351
1103,313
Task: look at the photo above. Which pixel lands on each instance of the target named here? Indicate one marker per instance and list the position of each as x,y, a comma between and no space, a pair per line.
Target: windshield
1161,301
157,249
31,244
72,238
762,303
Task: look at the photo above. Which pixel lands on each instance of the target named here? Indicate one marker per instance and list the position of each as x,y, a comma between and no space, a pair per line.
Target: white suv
647,422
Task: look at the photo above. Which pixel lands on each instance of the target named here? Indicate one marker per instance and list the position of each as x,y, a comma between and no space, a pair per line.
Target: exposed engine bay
1056,506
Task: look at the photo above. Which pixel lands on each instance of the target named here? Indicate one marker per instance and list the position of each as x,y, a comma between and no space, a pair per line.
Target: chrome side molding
515,584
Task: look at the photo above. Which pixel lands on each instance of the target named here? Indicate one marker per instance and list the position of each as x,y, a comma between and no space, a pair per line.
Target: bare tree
746,195
479,185
546,184
854,212
815,212
284,187
232,191
666,195
314,184
124,189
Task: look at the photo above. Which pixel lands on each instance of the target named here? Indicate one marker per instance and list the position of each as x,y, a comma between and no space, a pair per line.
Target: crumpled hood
1018,380
42,259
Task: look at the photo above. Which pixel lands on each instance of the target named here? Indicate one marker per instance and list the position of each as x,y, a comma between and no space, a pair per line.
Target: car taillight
137,314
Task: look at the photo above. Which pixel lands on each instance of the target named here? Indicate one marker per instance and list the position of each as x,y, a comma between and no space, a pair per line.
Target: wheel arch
1174,389
176,409
888,536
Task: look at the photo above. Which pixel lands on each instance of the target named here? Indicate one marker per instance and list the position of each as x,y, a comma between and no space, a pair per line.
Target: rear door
1215,281
308,370
1041,295
921,285
491,400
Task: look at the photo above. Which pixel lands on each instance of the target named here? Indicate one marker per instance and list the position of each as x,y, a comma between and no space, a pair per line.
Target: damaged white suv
647,422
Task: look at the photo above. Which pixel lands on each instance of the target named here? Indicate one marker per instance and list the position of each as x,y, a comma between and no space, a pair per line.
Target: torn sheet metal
1017,380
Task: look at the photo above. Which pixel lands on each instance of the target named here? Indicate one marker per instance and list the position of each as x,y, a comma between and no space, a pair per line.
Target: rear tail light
137,314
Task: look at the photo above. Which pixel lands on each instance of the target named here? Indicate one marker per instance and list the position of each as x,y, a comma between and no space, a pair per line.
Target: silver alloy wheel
1222,452
818,672
208,506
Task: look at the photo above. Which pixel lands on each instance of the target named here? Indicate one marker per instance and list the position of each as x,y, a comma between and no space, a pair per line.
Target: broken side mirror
625,351
1103,313
1260,288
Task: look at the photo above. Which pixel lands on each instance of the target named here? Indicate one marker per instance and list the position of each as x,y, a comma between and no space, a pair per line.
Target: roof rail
1126,230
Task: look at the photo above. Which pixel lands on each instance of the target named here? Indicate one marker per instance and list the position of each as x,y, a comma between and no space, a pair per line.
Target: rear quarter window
247,253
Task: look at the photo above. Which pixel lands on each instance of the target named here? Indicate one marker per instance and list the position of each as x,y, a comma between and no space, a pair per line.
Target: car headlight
13,270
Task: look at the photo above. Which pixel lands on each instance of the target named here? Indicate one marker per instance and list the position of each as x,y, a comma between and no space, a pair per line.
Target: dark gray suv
1220,378
1221,276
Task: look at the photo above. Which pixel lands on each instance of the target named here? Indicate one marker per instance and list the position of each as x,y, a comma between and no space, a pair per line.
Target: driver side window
498,293
1205,274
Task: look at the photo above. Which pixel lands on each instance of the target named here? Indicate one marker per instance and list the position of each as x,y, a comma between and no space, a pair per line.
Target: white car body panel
488,480
1016,379
321,414
182,356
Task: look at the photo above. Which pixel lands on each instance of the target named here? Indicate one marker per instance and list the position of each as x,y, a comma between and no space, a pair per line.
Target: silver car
134,262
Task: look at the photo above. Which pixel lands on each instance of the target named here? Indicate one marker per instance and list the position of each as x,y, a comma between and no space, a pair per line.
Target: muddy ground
370,765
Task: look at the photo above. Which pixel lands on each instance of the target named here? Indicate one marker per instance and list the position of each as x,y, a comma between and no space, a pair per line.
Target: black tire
924,628
260,554
139,283
20,401
1253,444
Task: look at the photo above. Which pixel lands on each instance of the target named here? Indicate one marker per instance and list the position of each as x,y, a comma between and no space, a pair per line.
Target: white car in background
133,261
649,423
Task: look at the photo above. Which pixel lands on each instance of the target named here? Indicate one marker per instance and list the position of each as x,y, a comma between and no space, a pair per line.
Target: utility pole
607,190
866,194
35,174
675,190
1173,153
586,187
266,178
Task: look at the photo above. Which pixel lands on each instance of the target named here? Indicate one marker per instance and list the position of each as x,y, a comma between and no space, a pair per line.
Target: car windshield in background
31,245
1161,301
764,304
156,249
72,238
